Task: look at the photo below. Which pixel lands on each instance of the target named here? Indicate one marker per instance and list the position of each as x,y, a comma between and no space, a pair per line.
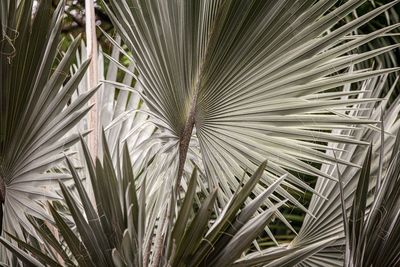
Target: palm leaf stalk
92,74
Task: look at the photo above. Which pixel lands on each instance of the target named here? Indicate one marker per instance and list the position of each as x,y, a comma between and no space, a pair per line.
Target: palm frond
35,109
229,84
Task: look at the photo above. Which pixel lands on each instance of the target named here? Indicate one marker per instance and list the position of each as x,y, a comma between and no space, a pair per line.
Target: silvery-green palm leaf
112,231
117,109
35,110
329,213
124,118
389,17
373,228
245,81
121,113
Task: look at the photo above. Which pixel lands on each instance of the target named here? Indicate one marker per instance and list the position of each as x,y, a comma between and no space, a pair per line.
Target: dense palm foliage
372,238
115,233
211,111
328,220
34,116
192,73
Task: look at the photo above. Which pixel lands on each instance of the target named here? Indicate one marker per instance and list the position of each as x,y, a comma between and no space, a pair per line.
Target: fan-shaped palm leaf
35,113
238,82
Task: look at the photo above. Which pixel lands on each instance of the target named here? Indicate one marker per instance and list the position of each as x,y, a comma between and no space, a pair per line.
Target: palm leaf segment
34,113
248,81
